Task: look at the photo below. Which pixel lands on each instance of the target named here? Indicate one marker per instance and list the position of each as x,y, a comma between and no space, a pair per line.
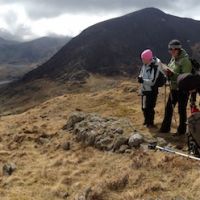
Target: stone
90,140
66,146
42,140
123,148
8,169
144,147
118,131
119,141
128,151
73,119
135,140
105,141
103,133
161,142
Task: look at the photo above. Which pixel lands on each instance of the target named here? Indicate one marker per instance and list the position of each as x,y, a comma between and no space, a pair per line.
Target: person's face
174,52
146,62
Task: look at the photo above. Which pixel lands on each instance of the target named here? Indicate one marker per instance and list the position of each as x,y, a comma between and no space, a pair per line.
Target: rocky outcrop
104,133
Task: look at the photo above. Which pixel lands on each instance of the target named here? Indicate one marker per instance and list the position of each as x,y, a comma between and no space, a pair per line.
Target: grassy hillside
33,141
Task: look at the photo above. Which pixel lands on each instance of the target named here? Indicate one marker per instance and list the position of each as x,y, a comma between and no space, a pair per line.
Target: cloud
20,33
37,9
24,19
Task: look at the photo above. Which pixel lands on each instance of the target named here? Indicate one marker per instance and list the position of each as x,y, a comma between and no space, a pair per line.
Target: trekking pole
173,107
165,95
154,146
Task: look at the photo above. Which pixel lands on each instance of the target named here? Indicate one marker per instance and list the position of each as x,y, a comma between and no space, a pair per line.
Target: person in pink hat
148,78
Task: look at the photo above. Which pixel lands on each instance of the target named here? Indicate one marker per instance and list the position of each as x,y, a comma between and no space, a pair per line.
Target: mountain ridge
113,47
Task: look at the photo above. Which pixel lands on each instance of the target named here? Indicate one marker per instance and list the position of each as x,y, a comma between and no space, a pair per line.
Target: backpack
161,79
195,66
193,134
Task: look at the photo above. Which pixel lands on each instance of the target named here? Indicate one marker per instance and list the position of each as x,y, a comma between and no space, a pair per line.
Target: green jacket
179,66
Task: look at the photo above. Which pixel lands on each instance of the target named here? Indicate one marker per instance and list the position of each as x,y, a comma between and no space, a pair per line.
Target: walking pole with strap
173,107
165,93
154,146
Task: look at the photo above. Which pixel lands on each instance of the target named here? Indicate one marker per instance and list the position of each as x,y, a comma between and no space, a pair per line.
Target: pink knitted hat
147,55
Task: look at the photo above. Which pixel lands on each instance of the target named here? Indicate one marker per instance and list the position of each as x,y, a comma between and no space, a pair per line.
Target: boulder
135,140
8,169
73,119
119,141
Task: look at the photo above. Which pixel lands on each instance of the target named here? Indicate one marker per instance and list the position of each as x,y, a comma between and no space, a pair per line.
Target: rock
144,147
90,140
118,131
119,141
161,142
42,140
103,133
95,118
81,135
123,148
73,119
66,146
8,169
105,141
135,140
84,195
100,146
128,151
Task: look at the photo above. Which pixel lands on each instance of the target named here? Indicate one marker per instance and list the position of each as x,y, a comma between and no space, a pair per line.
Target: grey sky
37,10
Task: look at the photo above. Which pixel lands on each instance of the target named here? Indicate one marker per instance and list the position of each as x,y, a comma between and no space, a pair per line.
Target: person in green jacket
179,64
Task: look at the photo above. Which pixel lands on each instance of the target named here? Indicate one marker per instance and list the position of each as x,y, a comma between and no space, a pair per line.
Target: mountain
6,42
35,51
108,48
113,47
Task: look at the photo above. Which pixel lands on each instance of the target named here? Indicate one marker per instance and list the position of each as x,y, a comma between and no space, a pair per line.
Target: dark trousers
193,98
148,105
180,97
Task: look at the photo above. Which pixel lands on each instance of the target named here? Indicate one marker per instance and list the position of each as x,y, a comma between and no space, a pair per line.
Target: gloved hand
140,80
194,109
169,73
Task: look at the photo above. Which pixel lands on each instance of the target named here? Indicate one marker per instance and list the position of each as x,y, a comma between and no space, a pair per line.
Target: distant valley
17,58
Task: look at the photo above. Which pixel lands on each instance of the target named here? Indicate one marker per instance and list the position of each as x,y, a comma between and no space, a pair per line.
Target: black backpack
161,79
195,66
193,134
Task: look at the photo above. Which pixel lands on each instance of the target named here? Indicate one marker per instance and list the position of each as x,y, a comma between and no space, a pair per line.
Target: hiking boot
178,134
151,126
164,130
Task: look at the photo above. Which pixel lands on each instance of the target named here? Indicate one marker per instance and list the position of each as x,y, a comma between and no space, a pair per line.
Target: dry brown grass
46,171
